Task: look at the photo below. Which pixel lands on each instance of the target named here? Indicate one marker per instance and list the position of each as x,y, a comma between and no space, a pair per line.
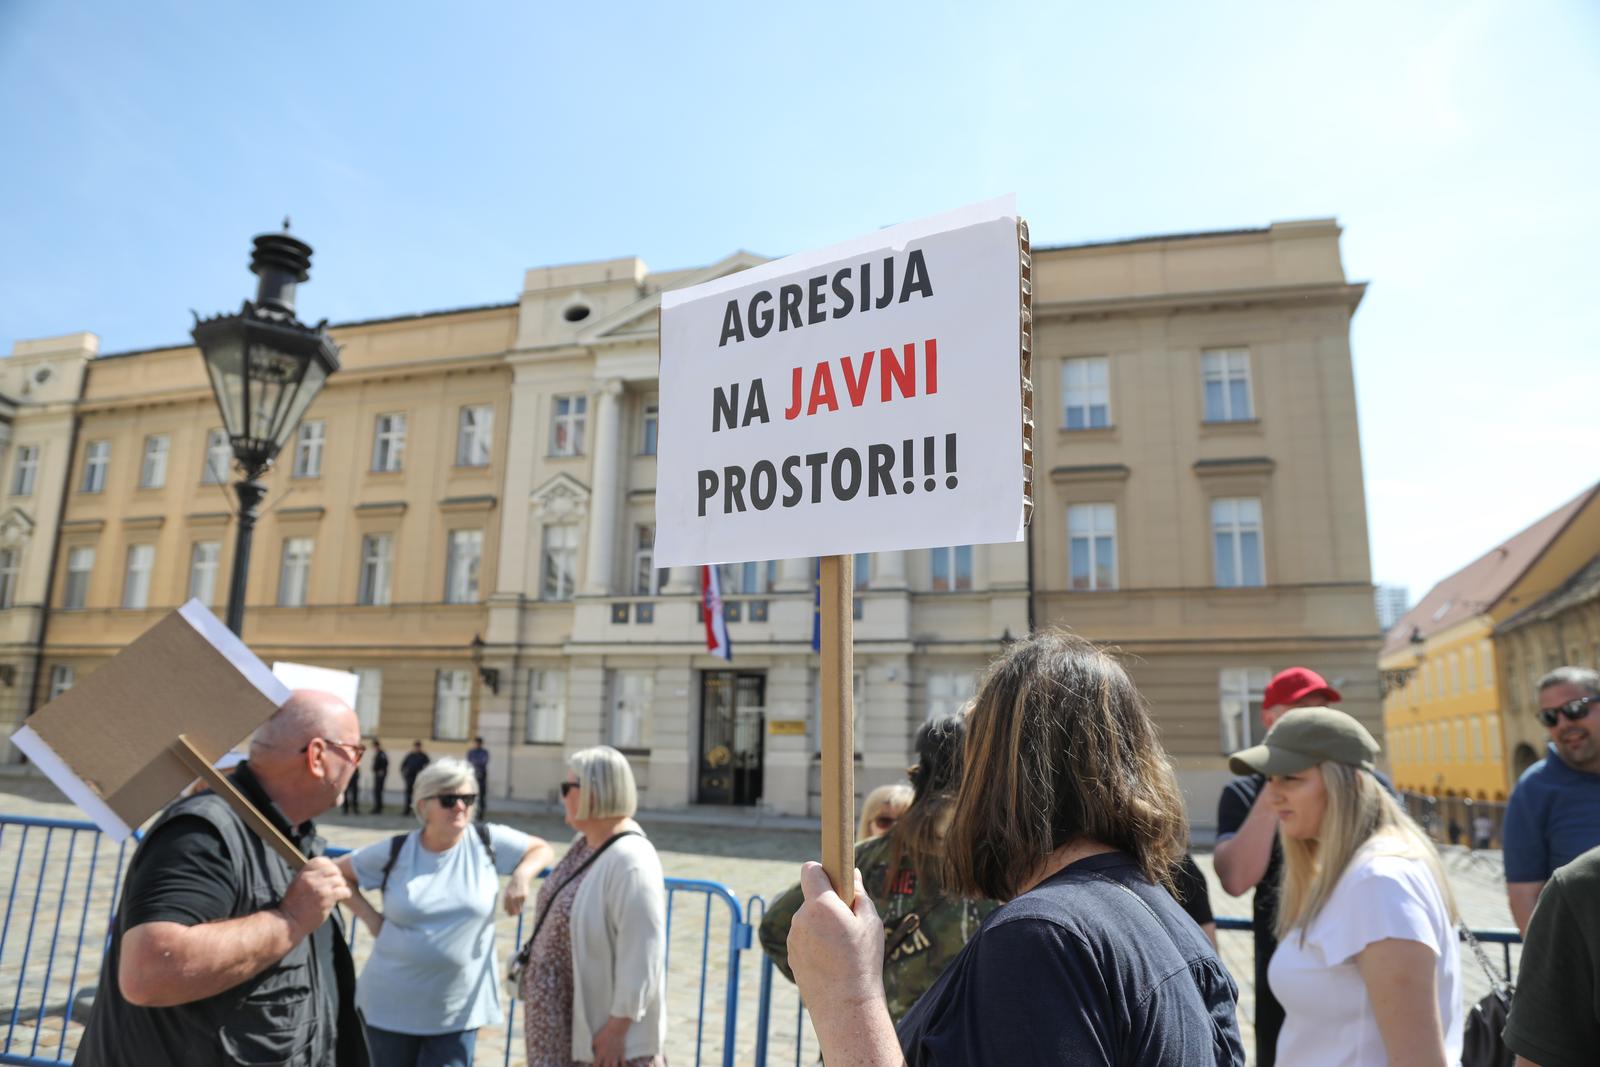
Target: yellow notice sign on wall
786,727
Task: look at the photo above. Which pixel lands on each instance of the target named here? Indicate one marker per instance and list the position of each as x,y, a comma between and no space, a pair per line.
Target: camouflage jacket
922,931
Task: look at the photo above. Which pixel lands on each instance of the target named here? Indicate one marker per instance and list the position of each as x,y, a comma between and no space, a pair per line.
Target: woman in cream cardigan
593,985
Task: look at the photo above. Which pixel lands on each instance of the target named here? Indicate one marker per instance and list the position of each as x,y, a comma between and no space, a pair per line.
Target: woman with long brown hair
1068,811
925,925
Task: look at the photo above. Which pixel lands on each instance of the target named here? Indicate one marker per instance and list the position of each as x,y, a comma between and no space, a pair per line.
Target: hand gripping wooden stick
838,726
224,788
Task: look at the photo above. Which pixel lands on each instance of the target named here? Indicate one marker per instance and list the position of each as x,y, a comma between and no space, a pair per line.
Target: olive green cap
1306,737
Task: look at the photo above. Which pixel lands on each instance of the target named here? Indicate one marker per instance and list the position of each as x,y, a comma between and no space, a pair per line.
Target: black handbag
1482,1044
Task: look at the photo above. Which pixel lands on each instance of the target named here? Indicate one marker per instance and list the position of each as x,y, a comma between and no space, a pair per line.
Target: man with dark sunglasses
1554,813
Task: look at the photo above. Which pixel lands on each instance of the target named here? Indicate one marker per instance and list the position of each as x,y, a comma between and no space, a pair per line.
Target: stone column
795,575
890,572
605,490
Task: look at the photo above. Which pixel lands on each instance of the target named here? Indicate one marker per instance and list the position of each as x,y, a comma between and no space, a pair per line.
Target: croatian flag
717,641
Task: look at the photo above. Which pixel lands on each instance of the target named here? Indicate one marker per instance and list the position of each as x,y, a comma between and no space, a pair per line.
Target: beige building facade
376,541
1199,504
39,386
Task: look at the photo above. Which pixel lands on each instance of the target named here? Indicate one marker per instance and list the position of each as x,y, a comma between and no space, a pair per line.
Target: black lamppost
266,367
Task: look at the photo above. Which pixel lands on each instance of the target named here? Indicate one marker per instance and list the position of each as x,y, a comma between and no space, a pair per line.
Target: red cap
1294,684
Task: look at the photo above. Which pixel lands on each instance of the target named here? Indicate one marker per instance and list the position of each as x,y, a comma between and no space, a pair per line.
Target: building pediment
642,318
16,527
561,499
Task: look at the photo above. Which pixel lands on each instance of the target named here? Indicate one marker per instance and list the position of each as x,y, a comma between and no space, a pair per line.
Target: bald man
220,953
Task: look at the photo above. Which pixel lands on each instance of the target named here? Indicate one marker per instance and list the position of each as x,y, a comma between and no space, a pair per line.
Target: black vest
277,1017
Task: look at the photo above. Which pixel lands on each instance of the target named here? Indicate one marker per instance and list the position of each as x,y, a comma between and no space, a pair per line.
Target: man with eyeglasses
1554,813
221,953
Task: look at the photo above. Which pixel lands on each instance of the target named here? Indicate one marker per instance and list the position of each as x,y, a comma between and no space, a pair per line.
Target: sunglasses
450,800
1572,709
567,787
884,822
345,748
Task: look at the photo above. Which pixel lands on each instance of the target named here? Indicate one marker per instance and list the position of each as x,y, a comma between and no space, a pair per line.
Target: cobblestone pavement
749,862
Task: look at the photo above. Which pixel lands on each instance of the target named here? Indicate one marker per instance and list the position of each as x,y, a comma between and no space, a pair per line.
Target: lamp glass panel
224,358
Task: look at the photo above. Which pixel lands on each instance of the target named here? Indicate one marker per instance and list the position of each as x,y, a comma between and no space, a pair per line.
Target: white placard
342,684
860,398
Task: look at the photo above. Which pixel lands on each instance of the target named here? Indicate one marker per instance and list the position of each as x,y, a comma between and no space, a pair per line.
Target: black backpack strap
396,843
483,835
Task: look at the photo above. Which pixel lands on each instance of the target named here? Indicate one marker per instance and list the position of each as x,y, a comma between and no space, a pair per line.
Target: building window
1240,690
566,426
80,562
308,450
948,692
62,678
369,698
547,706
1227,382
203,559
647,581
1486,658
389,443
1494,737
749,579
26,471
951,568
1086,394
153,469
1455,675
136,584
377,550
1469,662
559,568
463,554
219,454
863,570
1236,533
631,692
96,458
649,425
474,436
1477,738
294,576
1092,546
10,564
1461,740
452,705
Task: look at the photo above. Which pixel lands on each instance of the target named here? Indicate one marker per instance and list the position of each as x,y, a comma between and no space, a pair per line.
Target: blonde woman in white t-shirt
1367,966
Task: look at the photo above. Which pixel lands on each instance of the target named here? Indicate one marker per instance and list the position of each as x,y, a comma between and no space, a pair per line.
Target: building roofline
500,306
1153,238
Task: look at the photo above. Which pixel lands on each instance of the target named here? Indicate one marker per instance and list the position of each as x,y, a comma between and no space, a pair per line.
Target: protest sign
871,396
128,738
862,398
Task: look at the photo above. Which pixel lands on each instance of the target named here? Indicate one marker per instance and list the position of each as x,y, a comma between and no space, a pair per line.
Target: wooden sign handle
224,788
838,726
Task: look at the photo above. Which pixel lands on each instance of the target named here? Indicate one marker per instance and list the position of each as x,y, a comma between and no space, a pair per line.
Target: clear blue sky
433,152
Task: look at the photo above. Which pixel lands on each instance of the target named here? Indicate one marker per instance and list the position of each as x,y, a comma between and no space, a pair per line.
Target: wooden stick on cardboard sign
838,725
247,811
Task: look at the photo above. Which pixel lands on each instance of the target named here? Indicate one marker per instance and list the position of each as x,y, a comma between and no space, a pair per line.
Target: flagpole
838,725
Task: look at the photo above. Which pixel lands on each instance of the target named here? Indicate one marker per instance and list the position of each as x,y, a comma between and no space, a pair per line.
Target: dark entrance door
732,724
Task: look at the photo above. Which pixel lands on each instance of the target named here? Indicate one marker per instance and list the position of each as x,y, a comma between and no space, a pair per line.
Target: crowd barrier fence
65,877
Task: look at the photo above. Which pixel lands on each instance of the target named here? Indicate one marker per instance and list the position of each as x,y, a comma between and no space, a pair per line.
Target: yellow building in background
1445,701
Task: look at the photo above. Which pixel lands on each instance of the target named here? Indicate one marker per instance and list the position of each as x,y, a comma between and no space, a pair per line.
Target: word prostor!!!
887,470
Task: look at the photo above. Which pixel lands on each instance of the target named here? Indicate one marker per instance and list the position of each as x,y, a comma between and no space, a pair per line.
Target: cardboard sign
108,742
861,398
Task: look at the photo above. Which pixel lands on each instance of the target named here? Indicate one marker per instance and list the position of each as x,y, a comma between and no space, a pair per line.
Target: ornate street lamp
266,367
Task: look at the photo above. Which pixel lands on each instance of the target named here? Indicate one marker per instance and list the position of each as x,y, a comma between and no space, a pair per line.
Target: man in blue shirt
1554,813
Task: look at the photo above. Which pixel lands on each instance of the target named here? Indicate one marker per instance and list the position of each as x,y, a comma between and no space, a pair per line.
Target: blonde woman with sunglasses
433,978
1367,965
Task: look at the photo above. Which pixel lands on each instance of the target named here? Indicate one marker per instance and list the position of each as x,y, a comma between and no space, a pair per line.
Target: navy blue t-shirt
1094,966
1553,818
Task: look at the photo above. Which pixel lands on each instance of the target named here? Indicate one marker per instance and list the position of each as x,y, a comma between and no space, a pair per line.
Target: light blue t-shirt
433,968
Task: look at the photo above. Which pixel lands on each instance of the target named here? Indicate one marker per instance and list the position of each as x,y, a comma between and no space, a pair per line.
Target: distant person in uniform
412,766
478,757
351,804
380,772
